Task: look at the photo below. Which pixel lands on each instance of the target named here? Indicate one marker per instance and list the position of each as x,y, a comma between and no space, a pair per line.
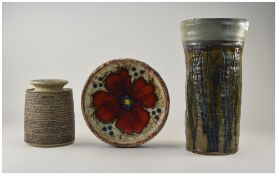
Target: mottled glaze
213,49
125,102
213,96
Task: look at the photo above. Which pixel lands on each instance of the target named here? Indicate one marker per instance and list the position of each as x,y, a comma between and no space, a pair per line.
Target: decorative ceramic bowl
125,102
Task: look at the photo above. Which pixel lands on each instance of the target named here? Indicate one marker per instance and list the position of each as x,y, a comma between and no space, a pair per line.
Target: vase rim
215,19
49,84
206,29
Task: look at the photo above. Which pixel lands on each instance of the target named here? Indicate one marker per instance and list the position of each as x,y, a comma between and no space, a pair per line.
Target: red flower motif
125,102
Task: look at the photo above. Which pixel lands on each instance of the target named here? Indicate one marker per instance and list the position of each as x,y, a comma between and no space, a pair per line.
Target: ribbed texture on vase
49,118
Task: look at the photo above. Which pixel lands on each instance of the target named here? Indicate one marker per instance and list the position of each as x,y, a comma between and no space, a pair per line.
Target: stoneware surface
70,40
213,93
213,48
48,85
49,114
125,102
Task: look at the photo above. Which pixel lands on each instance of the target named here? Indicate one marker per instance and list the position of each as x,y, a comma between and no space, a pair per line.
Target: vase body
213,50
49,114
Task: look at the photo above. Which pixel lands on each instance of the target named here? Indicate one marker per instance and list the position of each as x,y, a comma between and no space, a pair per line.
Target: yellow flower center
127,101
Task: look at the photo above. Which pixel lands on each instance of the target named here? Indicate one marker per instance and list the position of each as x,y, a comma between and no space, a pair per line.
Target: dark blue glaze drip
213,133
194,128
227,107
210,131
214,97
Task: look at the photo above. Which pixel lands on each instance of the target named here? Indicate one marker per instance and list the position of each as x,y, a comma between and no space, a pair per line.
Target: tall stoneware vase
213,49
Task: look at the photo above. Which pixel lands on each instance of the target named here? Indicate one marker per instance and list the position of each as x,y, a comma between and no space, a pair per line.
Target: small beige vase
49,114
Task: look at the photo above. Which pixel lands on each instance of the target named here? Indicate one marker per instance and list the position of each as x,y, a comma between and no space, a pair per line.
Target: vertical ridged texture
213,96
49,118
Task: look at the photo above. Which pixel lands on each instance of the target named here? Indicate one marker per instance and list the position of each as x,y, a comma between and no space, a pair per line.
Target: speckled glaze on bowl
125,102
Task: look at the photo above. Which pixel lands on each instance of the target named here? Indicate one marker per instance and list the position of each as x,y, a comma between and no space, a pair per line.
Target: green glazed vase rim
214,29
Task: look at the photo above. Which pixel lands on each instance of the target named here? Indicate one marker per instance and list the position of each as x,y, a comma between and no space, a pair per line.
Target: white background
70,40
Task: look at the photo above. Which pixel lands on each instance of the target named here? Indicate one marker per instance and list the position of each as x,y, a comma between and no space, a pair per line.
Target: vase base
212,153
51,145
